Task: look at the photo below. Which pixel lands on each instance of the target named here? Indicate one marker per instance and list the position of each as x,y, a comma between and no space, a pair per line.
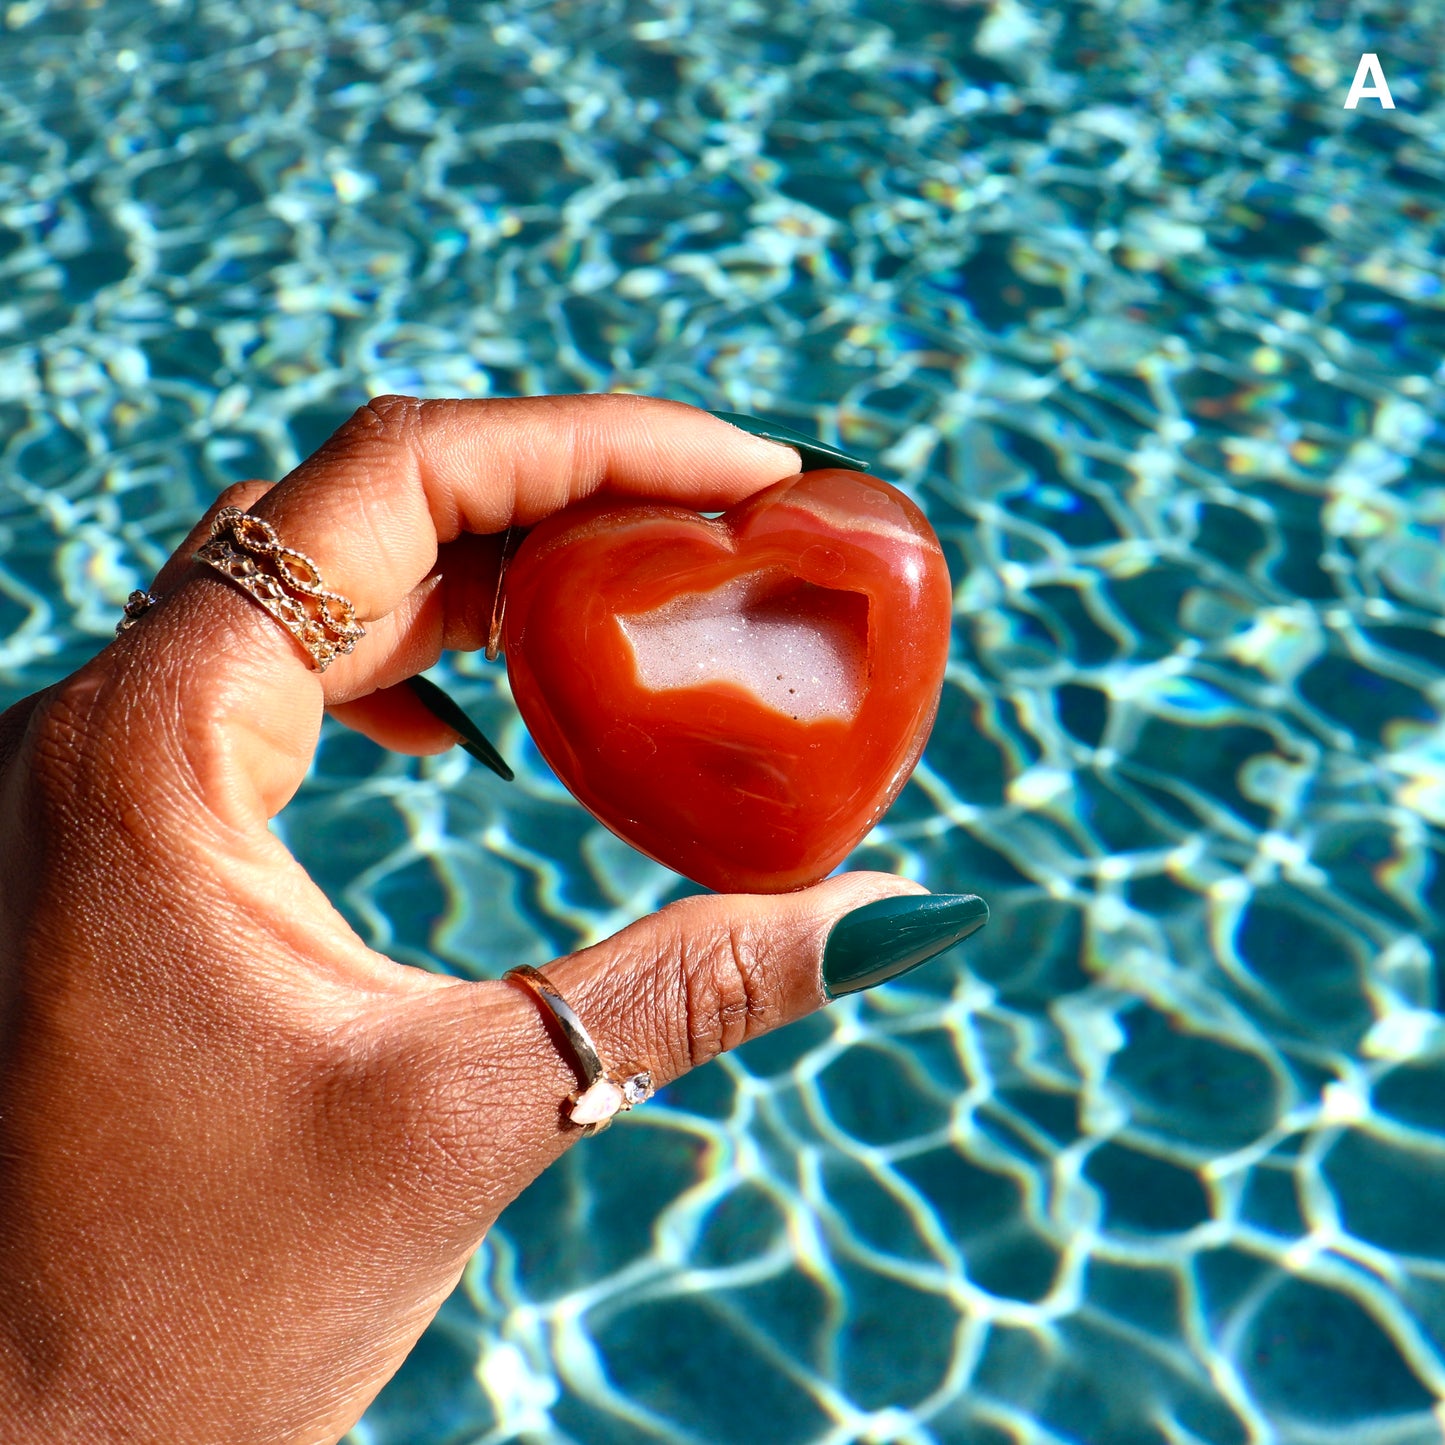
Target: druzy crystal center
800,649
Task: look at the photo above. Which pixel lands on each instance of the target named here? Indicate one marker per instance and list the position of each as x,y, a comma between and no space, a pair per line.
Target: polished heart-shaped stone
739,697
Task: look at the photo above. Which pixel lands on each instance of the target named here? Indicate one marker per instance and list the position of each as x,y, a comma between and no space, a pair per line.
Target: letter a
1378,89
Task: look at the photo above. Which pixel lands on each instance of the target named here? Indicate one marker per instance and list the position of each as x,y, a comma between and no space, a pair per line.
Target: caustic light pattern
1150,326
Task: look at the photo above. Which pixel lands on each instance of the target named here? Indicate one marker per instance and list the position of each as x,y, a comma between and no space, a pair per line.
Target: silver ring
601,1097
136,605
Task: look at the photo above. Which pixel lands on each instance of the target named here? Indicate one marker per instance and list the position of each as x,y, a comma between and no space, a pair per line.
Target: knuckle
393,415
722,983
231,496
238,494
375,440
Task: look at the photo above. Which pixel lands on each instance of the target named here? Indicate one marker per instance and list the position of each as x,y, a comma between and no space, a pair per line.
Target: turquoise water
1152,327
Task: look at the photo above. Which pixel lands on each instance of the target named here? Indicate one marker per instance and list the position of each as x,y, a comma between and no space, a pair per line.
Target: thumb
492,1071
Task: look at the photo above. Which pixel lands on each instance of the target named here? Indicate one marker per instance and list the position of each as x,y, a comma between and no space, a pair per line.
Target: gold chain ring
287,583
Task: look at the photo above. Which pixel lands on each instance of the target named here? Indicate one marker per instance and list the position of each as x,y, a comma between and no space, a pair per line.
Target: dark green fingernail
882,939
444,709
815,454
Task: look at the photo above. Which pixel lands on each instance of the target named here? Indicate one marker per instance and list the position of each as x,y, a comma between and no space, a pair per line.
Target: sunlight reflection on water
1150,326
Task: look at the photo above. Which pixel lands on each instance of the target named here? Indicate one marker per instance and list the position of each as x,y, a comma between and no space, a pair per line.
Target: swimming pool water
1152,327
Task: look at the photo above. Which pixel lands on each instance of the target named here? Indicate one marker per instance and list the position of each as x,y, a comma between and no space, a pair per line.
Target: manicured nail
444,709
815,454
882,939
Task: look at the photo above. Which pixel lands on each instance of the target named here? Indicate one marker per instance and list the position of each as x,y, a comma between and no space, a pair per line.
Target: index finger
400,480
404,475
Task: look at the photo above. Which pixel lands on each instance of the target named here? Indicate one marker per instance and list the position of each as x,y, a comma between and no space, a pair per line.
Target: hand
243,1157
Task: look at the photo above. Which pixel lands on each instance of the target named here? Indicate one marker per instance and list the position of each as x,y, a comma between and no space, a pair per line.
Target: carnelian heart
741,698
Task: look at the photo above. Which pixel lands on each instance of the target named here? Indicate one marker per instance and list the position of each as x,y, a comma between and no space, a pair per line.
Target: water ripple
1151,326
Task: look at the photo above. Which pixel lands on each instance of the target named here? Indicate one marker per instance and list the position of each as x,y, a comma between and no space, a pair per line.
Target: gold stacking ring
287,583
600,1097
